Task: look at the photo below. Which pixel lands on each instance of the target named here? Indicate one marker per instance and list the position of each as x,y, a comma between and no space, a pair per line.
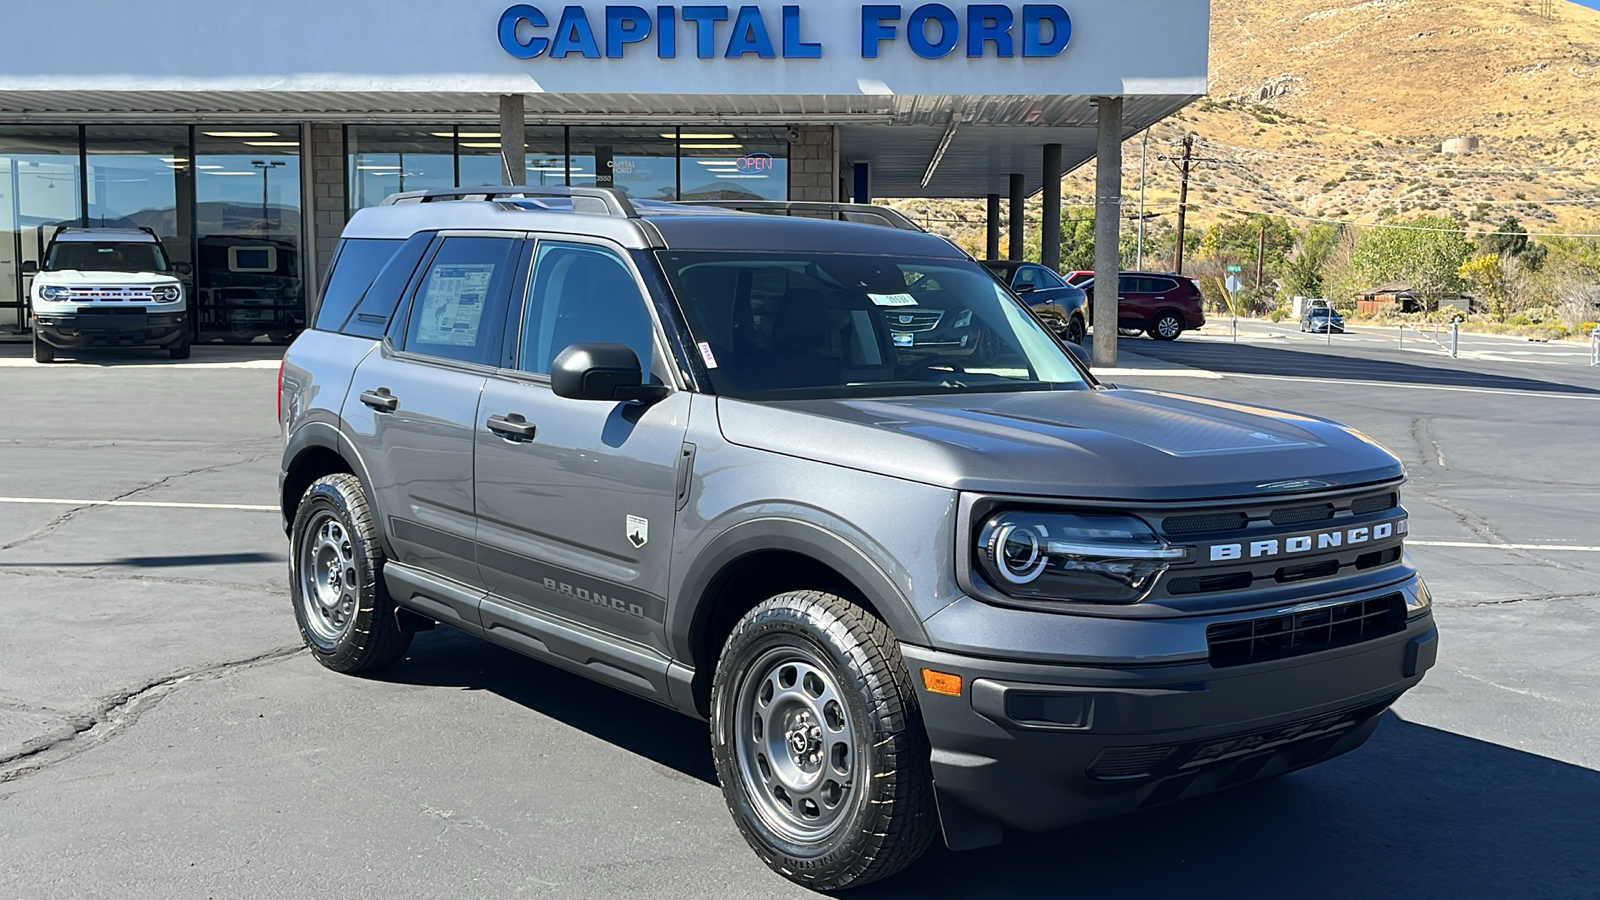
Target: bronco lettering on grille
1304,543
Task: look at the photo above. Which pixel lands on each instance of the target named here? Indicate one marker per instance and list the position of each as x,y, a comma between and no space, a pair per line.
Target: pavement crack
115,714
1536,598
107,574
55,523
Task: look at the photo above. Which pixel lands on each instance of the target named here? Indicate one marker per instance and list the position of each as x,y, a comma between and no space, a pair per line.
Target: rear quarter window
358,262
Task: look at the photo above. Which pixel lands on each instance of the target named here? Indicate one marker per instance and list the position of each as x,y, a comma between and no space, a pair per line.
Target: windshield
105,256
775,325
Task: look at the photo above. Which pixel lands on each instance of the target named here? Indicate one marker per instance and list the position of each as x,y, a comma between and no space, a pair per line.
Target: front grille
1115,763
1311,631
1294,515
1205,584
1374,504
1200,524
914,321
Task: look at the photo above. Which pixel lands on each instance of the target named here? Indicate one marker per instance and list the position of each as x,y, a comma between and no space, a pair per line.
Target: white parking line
24,362
54,501
1575,394
1485,546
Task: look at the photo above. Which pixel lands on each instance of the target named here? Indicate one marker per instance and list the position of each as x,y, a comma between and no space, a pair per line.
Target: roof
635,224
72,233
1392,287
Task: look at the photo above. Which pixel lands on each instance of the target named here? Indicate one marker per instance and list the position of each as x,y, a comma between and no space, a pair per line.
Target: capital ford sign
931,31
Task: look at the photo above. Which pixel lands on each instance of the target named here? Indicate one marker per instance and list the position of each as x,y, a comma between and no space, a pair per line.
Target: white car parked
107,287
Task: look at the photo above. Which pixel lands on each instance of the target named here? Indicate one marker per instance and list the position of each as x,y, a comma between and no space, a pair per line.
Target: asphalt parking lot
162,735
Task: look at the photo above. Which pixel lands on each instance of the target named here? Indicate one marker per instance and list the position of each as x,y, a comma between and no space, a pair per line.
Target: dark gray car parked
680,452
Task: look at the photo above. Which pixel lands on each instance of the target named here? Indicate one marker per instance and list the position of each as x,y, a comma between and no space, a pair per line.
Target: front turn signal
946,683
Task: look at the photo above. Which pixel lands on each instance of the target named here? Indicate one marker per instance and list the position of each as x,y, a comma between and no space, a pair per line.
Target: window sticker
707,355
452,304
893,299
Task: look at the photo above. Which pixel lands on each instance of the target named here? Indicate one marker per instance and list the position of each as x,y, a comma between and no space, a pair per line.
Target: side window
354,268
1127,284
1049,279
458,311
382,297
1163,285
1028,275
582,293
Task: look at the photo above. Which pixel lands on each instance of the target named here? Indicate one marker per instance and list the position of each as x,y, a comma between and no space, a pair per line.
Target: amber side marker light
941,682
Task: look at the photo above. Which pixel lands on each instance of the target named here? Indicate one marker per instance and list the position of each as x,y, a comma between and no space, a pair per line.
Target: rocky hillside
1333,110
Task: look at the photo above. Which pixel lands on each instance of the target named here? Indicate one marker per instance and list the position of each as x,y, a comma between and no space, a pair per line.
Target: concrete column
1107,228
513,139
1019,200
992,229
814,163
1050,229
325,165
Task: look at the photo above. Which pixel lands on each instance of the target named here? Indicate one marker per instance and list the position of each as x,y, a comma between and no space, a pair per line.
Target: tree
1486,274
1077,239
1303,273
1427,251
1510,240
1238,242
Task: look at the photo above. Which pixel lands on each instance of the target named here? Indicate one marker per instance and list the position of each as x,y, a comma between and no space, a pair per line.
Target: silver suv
680,451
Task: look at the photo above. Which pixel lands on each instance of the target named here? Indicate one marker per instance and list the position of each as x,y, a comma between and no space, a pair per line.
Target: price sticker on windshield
893,299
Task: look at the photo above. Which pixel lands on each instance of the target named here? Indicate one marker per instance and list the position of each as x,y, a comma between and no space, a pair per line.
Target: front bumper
122,328
1039,746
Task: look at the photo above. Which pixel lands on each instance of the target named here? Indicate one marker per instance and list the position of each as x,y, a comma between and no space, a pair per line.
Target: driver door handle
381,400
513,428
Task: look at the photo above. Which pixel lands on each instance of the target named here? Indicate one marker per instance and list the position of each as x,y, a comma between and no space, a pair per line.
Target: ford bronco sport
107,287
678,450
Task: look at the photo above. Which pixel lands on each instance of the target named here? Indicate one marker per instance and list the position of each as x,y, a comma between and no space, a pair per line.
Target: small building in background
1460,145
1399,296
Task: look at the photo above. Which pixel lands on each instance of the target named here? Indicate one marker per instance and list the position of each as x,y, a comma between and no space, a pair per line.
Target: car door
412,407
577,498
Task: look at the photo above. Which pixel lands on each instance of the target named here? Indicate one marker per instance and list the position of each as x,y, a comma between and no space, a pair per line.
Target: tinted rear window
377,307
358,262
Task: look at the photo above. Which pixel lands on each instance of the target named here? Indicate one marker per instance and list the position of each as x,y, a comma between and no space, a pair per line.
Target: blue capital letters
1034,17
750,35
873,31
666,32
793,47
573,35
625,25
705,19
917,30
510,19
989,22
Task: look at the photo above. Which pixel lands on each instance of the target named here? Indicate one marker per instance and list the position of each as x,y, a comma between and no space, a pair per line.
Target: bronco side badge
638,531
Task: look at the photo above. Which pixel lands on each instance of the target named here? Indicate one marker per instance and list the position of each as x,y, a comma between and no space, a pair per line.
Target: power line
1354,224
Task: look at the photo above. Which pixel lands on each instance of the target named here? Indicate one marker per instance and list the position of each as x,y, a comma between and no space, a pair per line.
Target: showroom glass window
39,191
249,284
734,163
387,159
140,176
642,161
479,150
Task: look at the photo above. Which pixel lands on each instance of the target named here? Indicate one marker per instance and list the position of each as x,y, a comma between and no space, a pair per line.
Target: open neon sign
752,163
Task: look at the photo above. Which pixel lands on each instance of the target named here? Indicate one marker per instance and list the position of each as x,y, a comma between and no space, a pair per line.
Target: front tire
335,560
43,352
819,743
179,350
1166,327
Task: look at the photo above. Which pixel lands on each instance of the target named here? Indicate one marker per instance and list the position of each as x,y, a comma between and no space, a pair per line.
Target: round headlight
1070,556
166,293
55,292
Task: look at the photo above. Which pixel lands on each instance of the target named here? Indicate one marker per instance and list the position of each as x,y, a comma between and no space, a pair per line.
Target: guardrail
1453,348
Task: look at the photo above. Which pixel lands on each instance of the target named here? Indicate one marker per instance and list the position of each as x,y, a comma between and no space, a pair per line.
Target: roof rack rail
602,201
861,213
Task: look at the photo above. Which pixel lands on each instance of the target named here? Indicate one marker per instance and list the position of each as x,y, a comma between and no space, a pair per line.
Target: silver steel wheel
796,745
1169,326
329,582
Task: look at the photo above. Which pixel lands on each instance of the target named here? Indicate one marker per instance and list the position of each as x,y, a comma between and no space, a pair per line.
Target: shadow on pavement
1253,359
144,356
157,562
1416,813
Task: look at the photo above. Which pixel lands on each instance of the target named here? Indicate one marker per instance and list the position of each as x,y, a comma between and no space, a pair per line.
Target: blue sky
1592,4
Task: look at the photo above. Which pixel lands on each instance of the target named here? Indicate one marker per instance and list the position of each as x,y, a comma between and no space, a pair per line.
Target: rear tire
819,744
42,352
335,562
1075,330
1166,327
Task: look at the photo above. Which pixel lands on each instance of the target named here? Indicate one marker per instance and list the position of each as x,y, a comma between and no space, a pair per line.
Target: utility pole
1185,166
1261,253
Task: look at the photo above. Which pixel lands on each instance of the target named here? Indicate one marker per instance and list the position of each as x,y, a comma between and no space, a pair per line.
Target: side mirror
1078,353
598,371
29,267
183,268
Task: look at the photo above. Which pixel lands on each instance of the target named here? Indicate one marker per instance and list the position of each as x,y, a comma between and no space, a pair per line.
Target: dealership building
246,135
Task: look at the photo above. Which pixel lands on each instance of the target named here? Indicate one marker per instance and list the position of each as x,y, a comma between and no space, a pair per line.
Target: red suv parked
1161,304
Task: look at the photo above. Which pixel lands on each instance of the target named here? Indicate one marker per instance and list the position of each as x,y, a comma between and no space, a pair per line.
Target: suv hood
1110,444
76,278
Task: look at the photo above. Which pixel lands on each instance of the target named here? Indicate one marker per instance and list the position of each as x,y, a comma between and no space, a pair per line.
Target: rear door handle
381,400
513,427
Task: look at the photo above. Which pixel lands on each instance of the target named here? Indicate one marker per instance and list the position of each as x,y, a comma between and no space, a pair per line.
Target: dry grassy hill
1336,110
